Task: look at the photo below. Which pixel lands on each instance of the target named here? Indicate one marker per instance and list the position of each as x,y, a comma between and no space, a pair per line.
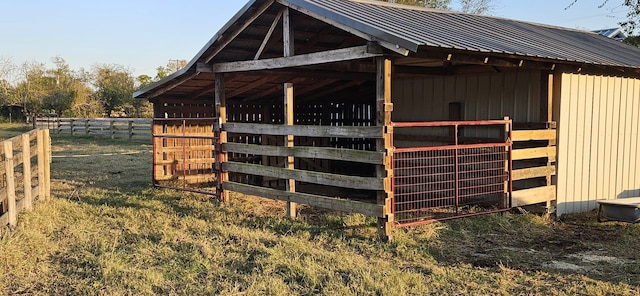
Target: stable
407,114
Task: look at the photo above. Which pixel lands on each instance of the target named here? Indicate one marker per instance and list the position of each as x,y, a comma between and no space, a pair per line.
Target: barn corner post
384,107
288,50
221,114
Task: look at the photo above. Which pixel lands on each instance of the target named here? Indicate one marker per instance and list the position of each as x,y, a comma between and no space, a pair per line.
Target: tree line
105,90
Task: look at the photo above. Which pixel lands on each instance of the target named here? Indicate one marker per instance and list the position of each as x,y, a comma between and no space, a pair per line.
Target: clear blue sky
145,34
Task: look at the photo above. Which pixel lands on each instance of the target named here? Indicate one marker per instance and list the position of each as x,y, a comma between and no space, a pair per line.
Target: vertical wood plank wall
483,96
599,119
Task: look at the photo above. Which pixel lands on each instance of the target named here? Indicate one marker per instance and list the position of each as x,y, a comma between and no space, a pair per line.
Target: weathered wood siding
597,140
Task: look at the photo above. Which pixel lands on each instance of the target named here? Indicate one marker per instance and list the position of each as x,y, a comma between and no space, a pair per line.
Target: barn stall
402,113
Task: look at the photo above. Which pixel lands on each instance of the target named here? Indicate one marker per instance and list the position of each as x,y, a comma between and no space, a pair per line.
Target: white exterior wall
598,122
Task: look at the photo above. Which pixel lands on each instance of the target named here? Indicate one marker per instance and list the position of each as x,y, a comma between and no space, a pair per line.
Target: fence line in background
129,128
17,192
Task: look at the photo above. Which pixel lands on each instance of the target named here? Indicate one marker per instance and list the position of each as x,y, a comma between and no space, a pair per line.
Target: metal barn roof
399,28
411,27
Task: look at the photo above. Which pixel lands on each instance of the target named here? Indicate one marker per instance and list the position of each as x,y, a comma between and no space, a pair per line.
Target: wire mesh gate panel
184,155
440,182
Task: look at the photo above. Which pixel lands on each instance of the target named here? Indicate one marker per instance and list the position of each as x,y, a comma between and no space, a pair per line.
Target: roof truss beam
323,57
237,32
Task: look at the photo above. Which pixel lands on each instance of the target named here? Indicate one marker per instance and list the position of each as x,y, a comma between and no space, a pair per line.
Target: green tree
114,87
61,87
30,88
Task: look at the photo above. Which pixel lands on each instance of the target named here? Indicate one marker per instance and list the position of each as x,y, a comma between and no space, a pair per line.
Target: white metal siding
597,141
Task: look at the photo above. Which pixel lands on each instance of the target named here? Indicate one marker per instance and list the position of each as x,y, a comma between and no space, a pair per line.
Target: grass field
107,232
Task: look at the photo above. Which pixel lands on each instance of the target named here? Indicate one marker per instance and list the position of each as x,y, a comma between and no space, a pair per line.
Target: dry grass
107,232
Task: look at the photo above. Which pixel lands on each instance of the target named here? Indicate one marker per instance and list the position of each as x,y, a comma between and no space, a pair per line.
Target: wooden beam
391,46
173,85
10,183
361,156
332,90
221,113
323,57
533,196
251,86
374,132
353,182
535,172
384,172
268,35
225,40
272,90
206,89
533,135
331,203
530,153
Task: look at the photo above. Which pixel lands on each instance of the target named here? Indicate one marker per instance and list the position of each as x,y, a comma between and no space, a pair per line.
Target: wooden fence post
112,128
26,171
71,125
40,144
130,129
10,184
47,164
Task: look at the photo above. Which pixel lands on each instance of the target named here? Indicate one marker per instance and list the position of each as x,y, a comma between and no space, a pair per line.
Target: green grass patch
107,232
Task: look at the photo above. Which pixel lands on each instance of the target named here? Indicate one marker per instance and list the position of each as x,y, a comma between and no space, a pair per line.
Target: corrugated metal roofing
411,27
408,27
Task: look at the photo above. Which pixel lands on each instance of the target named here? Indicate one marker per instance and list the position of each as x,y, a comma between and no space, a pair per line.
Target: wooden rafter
172,85
268,35
234,34
251,85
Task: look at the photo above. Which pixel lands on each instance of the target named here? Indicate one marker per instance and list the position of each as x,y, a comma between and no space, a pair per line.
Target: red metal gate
466,170
184,154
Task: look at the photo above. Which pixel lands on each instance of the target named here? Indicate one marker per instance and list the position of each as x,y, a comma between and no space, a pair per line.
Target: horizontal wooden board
373,132
371,157
533,196
533,135
529,153
344,205
306,176
528,173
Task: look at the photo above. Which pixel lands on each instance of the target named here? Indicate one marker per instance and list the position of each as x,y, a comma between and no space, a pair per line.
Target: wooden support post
112,128
507,166
384,107
26,171
10,184
130,129
221,113
290,162
72,126
41,166
47,164
289,50
551,142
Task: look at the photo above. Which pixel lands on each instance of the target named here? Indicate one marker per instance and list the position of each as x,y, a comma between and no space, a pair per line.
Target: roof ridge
420,8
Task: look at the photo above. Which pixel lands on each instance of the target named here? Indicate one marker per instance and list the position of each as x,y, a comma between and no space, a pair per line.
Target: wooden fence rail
17,191
120,128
